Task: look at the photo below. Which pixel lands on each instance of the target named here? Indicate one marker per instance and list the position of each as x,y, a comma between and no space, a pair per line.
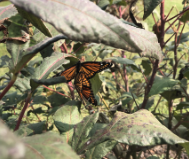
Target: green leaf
7,11
17,27
140,128
104,3
96,83
39,99
36,111
96,127
32,51
149,6
146,65
79,48
31,129
60,100
22,84
123,61
35,61
11,146
35,83
100,150
82,130
118,35
182,105
184,37
66,117
186,146
186,73
17,50
162,84
185,17
38,23
4,61
48,146
47,66
12,98
179,116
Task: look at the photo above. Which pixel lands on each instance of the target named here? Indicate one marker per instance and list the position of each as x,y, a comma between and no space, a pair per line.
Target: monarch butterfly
83,87
89,68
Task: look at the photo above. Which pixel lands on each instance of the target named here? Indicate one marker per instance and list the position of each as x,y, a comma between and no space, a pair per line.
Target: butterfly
83,87
88,68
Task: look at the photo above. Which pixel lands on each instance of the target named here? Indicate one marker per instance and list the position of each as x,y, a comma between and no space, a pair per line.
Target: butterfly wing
69,73
88,94
83,87
91,68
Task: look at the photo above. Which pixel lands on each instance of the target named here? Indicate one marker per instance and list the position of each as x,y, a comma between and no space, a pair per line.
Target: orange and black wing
83,87
69,73
91,68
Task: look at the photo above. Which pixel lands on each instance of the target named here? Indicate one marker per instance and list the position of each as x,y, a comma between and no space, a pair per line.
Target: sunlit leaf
66,117
110,31
48,145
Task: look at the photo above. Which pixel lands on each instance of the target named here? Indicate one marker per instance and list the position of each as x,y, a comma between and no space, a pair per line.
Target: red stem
155,65
178,14
70,86
120,12
23,111
55,91
8,87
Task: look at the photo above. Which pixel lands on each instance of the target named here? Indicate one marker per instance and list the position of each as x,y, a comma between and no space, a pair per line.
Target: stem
155,65
64,48
169,38
157,104
120,12
125,77
116,81
162,24
169,12
175,54
149,86
173,22
167,152
55,91
180,122
23,111
178,14
104,101
8,87
36,113
181,34
70,86
170,105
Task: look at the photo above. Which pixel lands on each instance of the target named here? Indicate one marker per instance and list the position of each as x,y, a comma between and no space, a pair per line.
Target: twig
56,91
134,100
70,86
178,14
125,77
181,34
23,111
8,87
35,113
169,38
169,13
104,101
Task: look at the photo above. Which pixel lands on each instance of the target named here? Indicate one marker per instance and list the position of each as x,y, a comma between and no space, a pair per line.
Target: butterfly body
83,87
